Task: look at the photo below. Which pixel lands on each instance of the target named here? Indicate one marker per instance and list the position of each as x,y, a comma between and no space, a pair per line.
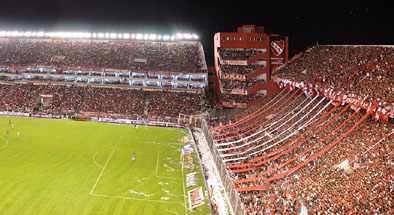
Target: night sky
325,22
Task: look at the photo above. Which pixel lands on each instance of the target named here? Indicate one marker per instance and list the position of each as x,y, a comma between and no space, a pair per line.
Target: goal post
191,120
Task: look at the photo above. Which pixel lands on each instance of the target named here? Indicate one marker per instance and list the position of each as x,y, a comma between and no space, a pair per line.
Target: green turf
65,167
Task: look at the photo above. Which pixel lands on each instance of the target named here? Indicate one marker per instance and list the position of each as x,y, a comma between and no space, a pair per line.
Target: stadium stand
133,79
98,100
130,55
362,70
324,143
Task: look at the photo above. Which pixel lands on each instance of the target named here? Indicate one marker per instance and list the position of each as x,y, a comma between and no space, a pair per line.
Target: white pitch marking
157,169
130,198
6,143
94,157
105,165
184,192
157,164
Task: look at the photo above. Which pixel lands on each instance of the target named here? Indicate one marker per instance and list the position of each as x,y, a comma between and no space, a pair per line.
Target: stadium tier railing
231,192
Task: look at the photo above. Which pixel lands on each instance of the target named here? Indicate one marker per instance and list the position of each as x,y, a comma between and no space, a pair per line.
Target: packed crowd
77,99
363,70
146,56
240,99
289,136
229,85
243,70
172,103
240,54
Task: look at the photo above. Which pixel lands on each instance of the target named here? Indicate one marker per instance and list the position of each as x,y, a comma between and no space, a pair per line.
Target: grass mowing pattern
67,167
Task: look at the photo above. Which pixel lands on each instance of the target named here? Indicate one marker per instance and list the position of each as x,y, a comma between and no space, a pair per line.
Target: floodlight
126,36
146,36
139,36
166,37
172,37
120,36
159,37
132,36
33,34
3,33
112,36
20,34
14,33
94,35
40,34
152,37
195,36
100,35
187,36
106,35
179,36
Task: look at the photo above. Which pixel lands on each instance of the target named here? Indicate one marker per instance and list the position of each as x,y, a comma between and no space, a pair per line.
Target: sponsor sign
196,197
191,179
233,76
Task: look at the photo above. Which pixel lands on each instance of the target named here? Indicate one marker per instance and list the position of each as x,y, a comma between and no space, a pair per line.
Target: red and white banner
234,104
46,95
383,112
196,197
58,58
234,62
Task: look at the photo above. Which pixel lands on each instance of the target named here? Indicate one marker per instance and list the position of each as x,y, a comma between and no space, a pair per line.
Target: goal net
191,120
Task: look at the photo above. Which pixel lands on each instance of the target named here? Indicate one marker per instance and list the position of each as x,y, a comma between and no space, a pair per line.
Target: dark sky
328,22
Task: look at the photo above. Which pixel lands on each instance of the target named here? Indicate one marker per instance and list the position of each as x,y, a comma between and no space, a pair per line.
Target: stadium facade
244,61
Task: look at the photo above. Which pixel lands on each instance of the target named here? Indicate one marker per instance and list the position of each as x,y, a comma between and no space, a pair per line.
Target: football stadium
131,122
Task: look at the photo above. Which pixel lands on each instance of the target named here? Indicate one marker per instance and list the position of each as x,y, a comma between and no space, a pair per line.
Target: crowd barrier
231,192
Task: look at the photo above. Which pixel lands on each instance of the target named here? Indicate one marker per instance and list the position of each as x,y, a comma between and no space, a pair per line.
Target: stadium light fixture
166,37
108,35
14,34
113,36
126,36
152,36
139,36
40,34
179,36
187,36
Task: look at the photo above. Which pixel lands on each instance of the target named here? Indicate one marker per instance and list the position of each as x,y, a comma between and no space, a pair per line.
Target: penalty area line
157,169
105,165
130,198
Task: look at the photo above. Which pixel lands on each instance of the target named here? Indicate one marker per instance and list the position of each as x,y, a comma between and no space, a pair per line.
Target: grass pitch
61,167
